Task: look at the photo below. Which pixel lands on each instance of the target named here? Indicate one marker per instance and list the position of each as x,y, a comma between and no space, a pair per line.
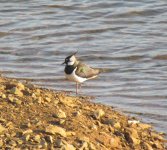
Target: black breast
69,69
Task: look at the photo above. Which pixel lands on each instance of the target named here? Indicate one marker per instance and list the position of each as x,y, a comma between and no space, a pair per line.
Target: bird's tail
104,70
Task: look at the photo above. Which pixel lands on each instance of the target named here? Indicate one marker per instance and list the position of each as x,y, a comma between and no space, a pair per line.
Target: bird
78,71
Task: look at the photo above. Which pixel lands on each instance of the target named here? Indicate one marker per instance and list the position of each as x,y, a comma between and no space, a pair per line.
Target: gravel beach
36,118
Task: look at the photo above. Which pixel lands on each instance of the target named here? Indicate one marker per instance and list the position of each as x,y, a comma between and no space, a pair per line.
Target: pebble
1,143
77,113
17,101
29,131
144,126
20,142
2,129
70,133
27,137
109,122
61,121
98,114
53,129
43,143
84,146
60,114
47,99
39,99
12,143
2,120
16,91
67,146
37,138
30,86
49,139
117,125
132,136
59,142
20,86
3,96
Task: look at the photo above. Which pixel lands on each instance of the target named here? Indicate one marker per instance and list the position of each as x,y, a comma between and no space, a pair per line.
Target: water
128,36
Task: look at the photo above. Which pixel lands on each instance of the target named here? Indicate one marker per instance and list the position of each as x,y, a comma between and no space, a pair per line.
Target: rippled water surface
127,36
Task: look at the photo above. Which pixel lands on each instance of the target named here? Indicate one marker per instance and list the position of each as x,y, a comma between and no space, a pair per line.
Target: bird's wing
85,71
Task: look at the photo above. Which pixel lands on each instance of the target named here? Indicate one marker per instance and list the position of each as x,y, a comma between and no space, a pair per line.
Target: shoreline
37,118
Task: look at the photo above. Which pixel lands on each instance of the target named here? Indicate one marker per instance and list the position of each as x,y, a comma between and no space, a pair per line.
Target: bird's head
70,60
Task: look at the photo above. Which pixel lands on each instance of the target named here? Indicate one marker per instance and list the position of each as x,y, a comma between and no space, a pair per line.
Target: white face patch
71,60
70,63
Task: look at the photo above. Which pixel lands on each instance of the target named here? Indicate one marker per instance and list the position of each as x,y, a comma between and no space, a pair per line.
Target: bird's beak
63,63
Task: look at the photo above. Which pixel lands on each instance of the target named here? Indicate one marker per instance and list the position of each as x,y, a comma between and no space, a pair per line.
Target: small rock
28,125
3,96
70,133
61,121
1,143
98,123
39,100
19,141
52,129
47,99
56,102
111,141
12,143
10,125
43,143
2,129
117,125
67,100
2,120
60,114
114,142
16,91
148,146
77,113
33,95
29,131
10,98
27,137
157,145
59,142
30,86
109,122
38,92
144,126
130,122
38,123
2,87
84,146
37,138
93,127
157,136
132,136
67,146
20,86
98,114
84,139
91,146
17,101
49,139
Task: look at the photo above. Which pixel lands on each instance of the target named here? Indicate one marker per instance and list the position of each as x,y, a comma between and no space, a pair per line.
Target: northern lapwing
79,72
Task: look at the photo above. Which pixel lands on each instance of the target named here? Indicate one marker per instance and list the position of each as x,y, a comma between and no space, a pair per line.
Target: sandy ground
35,118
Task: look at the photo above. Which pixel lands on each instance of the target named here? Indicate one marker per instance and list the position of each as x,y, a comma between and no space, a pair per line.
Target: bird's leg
76,88
80,87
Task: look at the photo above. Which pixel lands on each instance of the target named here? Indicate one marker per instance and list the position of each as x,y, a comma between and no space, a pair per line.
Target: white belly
74,77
